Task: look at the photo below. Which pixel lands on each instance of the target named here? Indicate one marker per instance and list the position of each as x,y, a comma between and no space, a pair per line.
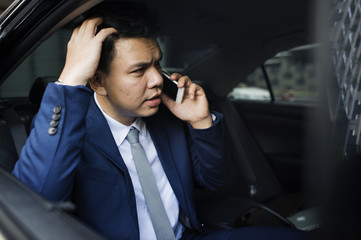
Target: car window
291,76
254,87
49,58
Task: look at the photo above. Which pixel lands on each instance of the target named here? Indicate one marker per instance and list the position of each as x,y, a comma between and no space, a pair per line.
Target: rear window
291,76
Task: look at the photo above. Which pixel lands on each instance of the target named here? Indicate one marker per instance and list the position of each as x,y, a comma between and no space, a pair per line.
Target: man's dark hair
130,19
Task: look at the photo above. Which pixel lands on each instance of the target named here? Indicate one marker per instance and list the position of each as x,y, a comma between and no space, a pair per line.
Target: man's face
134,83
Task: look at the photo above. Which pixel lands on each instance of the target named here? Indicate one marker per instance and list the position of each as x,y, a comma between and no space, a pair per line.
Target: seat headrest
37,90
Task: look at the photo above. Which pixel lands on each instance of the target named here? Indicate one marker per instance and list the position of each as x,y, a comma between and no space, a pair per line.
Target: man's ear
97,83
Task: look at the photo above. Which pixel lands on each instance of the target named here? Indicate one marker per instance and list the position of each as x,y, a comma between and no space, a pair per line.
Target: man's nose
155,79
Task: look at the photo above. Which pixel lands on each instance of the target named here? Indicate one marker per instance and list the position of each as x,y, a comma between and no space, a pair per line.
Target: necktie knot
133,136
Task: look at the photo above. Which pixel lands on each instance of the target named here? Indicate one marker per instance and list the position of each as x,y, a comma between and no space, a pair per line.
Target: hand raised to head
84,51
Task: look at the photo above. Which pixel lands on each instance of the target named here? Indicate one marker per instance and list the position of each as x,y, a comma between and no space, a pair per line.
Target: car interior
256,60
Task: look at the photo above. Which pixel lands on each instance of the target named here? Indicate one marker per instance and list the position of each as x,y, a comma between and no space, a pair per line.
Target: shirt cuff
214,117
59,82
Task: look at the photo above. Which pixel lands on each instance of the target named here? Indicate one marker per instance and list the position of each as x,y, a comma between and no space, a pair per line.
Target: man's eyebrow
144,64
140,64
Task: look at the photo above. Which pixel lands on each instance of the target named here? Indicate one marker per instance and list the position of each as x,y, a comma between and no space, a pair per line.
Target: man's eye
139,70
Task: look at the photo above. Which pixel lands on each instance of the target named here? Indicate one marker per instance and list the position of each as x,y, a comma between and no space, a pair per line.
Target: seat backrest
8,147
13,131
8,154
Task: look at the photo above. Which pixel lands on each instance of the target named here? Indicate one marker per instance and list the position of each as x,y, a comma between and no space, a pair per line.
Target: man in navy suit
78,150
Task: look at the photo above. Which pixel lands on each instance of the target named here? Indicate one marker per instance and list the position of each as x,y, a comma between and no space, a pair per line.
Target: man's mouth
154,101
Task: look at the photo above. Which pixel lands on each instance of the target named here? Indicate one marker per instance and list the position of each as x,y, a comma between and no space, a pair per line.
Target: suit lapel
100,136
160,136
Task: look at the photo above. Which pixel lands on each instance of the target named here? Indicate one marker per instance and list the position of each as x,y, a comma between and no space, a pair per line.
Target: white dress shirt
167,195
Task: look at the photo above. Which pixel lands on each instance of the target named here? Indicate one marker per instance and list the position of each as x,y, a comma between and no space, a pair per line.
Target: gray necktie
162,228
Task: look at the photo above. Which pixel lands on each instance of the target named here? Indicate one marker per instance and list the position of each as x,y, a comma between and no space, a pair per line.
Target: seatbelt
262,183
16,127
233,122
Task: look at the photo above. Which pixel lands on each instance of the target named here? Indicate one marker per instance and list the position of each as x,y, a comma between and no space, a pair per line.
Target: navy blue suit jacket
82,163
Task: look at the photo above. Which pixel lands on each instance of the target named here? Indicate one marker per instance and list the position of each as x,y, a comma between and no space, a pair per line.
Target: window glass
252,88
47,60
291,74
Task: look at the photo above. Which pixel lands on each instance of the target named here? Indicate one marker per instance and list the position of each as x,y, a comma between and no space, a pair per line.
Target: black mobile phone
171,89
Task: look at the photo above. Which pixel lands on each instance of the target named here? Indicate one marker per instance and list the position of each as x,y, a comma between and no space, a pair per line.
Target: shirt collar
119,130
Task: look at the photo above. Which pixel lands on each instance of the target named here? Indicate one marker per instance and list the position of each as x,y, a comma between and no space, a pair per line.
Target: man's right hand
84,51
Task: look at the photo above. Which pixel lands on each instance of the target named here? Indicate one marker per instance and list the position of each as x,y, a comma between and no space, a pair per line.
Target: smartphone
171,89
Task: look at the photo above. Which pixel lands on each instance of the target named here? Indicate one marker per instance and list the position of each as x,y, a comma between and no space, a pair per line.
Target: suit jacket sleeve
48,160
207,153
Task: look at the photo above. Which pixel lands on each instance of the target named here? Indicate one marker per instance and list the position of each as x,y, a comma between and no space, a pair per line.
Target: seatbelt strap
234,123
253,165
16,127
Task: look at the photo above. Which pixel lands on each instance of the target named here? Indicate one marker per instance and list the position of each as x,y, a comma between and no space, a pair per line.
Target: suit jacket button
56,116
54,123
52,131
57,109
